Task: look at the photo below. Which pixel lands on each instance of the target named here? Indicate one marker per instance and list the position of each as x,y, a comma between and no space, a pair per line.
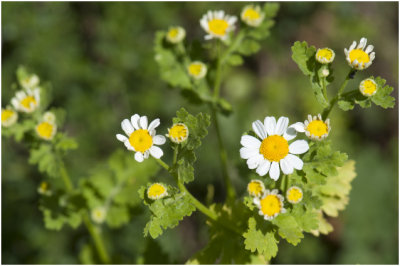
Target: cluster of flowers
359,57
217,25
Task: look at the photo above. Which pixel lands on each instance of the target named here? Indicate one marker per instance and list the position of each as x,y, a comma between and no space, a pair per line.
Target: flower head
30,82
142,138
270,204
44,189
256,188
178,133
357,57
176,34
325,55
271,151
157,191
294,194
368,87
197,70
317,129
217,24
26,101
47,128
99,214
252,15
8,116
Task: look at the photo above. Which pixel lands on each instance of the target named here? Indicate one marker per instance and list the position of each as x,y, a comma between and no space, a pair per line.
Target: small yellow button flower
217,24
252,15
176,34
157,191
99,214
325,55
30,82
368,87
256,188
294,194
47,128
315,128
8,117
26,101
358,58
44,189
270,204
178,133
197,70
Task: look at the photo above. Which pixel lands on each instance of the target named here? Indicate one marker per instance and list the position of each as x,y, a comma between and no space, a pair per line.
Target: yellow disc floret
6,114
156,191
176,34
218,26
251,14
141,140
317,128
178,133
274,148
28,102
45,130
359,55
325,55
99,214
368,87
44,189
8,117
256,188
294,195
270,205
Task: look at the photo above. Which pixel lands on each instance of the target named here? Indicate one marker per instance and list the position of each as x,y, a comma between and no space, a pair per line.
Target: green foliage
46,159
288,228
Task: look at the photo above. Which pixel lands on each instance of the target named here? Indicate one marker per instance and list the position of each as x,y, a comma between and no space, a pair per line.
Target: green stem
324,89
164,165
332,103
65,178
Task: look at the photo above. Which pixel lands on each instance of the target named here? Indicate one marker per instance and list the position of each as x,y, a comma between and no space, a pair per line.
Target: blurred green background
100,61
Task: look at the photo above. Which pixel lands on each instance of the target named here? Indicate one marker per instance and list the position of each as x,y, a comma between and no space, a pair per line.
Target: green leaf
265,244
306,219
323,226
117,216
64,143
248,47
270,10
288,228
48,162
346,105
235,60
382,96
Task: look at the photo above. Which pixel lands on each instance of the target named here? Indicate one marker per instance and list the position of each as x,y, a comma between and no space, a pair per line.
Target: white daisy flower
44,189
47,128
217,24
178,133
368,87
272,151
26,101
252,15
359,58
176,34
142,137
8,117
99,214
315,128
197,70
157,191
325,55
30,82
294,194
256,188
270,204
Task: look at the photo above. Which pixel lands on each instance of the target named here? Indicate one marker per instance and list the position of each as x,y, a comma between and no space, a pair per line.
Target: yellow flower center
45,130
218,26
255,188
44,186
155,190
325,53
317,128
178,131
99,214
369,87
270,205
274,148
360,55
6,114
173,33
27,101
141,140
251,14
294,195
195,69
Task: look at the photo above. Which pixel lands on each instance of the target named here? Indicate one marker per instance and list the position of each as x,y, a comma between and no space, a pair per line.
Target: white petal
121,137
362,43
143,122
256,201
155,123
159,140
353,45
295,161
127,127
263,169
246,153
298,147
134,120
15,103
290,133
286,167
146,154
139,157
299,126
255,161
270,124
156,152
259,129
372,56
250,142
128,145
274,171
369,48
281,125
